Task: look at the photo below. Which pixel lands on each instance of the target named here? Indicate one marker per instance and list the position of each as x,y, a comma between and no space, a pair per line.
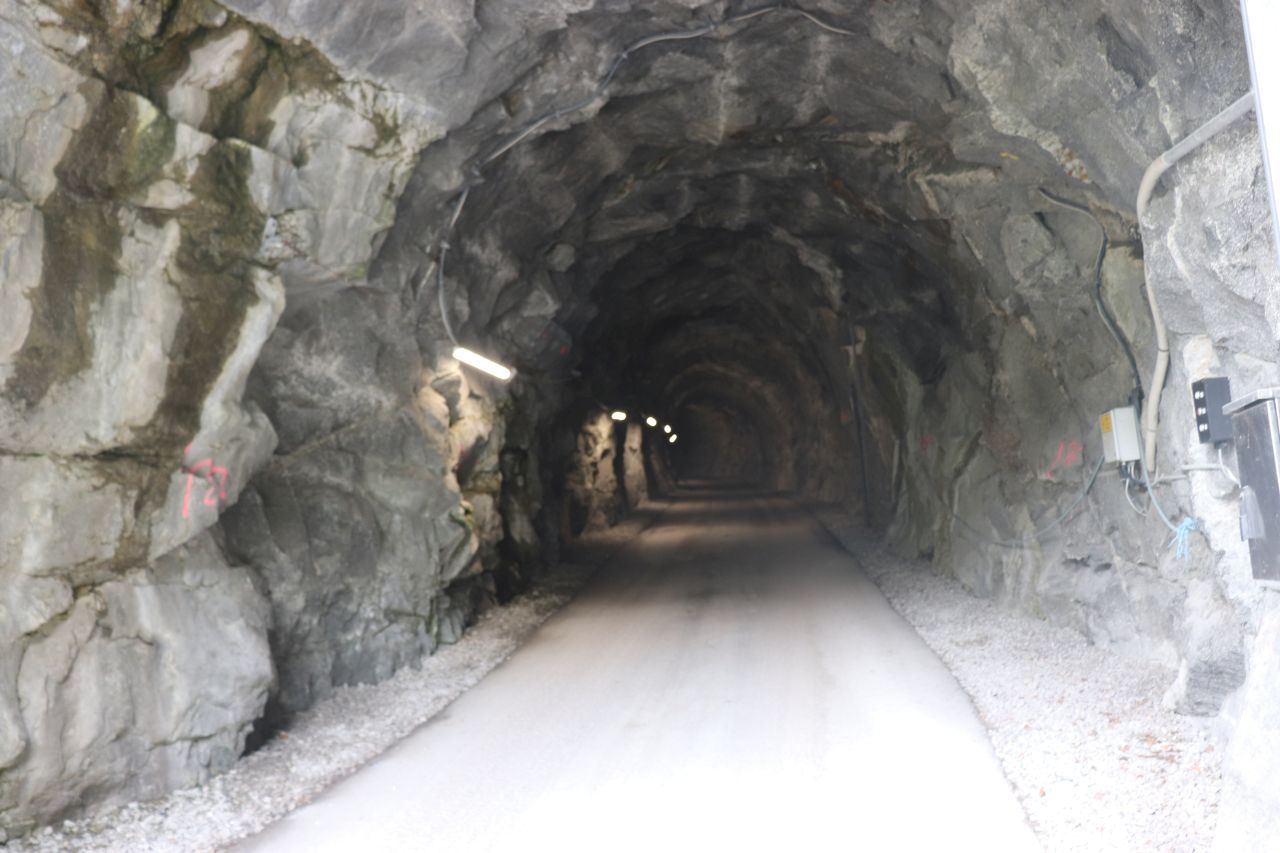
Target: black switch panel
1209,396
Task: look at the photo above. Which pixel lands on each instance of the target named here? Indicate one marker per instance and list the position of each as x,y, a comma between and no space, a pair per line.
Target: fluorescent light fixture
619,416
1261,20
651,421
667,428
673,438
479,362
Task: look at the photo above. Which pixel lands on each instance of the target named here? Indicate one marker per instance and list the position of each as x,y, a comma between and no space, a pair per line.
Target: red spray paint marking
1068,455
844,417
927,441
215,475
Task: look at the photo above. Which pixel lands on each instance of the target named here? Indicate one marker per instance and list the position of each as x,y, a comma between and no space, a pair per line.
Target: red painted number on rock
1068,455
216,488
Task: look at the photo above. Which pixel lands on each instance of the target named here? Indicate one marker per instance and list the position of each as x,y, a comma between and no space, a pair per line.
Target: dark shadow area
740,487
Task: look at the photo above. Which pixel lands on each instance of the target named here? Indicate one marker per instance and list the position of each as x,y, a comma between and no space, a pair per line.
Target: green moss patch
81,253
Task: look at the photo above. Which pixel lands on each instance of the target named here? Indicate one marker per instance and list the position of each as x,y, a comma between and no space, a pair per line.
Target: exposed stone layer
816,245
146,683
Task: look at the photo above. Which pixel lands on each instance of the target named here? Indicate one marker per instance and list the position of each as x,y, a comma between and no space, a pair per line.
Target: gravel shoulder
1096,761
337,736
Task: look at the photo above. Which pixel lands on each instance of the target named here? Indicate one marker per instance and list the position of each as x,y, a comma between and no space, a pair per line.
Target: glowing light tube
667,429
673,438
651,421
479,362
619,416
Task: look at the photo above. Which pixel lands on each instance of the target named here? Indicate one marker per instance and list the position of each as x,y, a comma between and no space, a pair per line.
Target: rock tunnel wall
234,440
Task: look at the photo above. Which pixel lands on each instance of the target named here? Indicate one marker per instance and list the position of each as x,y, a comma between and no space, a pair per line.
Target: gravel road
739,676
730,682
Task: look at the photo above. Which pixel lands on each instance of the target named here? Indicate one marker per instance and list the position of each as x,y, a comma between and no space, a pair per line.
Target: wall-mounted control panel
1255,422
1121,441
1209,396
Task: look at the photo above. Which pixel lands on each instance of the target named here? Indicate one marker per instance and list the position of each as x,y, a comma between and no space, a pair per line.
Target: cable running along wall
600,90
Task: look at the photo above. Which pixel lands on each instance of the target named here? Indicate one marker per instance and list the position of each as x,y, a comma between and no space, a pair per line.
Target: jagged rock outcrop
596,497
167,182
146,682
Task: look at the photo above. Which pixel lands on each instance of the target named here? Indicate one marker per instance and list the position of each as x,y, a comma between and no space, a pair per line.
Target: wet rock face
816,246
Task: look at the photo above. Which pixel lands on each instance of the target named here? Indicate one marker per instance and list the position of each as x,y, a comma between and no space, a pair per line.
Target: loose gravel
1098,764
333,739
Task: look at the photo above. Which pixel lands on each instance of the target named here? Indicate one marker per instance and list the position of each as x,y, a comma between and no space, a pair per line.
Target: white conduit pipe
1197,137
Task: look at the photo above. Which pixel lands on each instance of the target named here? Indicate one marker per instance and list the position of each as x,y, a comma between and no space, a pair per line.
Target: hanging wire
444,250
1222,465
1181,532
1128,496
1098,301
828,27
598,92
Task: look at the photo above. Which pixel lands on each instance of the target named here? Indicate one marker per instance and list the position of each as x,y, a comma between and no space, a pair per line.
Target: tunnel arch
813,236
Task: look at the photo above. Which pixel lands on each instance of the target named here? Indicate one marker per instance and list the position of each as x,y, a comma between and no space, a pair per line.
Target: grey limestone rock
132,687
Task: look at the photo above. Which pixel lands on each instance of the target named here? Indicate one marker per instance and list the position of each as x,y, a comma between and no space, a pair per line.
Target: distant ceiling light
619,416
673,439
479,362
667,428
651,421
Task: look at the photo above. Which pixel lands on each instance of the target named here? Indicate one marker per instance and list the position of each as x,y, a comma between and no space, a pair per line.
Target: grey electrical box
1255,421
1121,441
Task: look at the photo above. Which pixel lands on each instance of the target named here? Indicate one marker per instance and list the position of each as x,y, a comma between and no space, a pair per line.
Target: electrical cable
605,81
1103,311
1039,530
1155,501
1197,137
823,24
763,10
1180,537
597,92
444,250
1225,470
1128,496
1180,531
1220,468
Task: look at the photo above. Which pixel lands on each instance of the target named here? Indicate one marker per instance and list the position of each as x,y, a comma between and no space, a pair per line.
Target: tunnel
882,261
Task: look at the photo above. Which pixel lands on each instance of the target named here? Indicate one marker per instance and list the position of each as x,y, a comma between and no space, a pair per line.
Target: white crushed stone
1098,764
331,740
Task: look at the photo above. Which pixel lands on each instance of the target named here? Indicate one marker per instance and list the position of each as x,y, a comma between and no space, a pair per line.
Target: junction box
1120,439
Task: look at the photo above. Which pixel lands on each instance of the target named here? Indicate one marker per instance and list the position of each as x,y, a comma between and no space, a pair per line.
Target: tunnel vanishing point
881,254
